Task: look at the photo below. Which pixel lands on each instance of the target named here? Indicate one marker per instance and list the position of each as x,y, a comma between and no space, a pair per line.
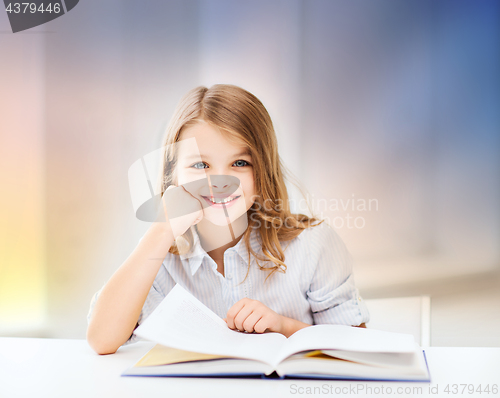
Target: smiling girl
233,242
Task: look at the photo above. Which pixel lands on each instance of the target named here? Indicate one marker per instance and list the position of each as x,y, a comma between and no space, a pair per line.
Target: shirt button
229,276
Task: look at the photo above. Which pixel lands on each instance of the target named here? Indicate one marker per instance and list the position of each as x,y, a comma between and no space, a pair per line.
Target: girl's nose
222,181
220,186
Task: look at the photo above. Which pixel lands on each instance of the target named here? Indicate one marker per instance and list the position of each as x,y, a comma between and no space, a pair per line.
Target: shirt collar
255,244
196,253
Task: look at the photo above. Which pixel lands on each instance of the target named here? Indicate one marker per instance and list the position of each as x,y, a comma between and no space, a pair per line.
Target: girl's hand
181,209
253,316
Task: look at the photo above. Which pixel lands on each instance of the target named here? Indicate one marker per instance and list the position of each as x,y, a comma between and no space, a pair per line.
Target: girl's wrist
160,229
159,236
289,326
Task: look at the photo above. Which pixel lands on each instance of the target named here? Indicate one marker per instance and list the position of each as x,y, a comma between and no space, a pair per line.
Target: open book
194,341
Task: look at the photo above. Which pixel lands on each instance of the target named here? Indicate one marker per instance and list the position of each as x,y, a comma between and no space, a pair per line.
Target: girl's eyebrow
202,156
246,152
194,157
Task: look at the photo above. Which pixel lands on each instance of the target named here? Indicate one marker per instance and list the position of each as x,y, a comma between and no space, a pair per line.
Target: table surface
69,368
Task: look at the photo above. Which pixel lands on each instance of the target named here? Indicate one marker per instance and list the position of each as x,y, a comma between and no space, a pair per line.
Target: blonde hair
240,115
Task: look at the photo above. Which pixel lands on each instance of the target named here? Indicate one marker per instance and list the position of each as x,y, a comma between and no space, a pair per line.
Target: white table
69,368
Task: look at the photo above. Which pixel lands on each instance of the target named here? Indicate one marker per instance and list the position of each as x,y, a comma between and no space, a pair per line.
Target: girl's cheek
246,180
188,176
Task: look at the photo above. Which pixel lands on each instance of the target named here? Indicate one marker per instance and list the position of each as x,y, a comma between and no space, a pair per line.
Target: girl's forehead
205,139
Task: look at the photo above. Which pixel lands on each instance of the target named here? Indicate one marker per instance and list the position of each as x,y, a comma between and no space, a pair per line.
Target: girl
227,244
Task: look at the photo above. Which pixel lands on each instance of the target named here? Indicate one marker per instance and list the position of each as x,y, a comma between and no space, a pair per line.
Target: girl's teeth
222,200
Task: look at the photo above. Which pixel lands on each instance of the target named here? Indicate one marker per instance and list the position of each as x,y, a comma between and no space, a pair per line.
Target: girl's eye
199,165
241,163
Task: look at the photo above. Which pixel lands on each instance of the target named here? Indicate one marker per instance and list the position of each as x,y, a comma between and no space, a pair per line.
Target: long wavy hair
239,115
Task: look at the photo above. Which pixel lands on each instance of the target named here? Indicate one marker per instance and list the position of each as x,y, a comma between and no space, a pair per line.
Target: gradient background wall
389,100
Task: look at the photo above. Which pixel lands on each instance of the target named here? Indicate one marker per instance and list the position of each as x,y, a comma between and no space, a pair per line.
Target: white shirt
317,288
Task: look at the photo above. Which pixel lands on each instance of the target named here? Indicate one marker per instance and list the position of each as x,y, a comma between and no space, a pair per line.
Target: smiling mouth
218,201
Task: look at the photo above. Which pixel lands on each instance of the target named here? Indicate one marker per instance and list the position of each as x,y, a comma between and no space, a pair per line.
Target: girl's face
227,166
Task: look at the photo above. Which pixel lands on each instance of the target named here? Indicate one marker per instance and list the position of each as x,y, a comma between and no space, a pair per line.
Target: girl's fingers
198,200
241,317
235,310
163,200
194,197
260,326
251,321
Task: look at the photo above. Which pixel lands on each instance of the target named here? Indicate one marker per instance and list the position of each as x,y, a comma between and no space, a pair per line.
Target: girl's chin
219,222
219,218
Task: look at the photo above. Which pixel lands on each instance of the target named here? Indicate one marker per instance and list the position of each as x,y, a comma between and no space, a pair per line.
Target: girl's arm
290,326
119,305
120,302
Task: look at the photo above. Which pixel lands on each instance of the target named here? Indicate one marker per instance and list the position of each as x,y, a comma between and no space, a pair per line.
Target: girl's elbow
100,345
100,348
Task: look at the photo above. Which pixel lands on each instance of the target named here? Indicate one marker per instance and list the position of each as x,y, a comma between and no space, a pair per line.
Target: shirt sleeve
332,295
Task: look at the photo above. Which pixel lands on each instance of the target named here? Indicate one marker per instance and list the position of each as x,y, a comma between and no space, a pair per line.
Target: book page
347,338
183,322
323,366
383,359
161,355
